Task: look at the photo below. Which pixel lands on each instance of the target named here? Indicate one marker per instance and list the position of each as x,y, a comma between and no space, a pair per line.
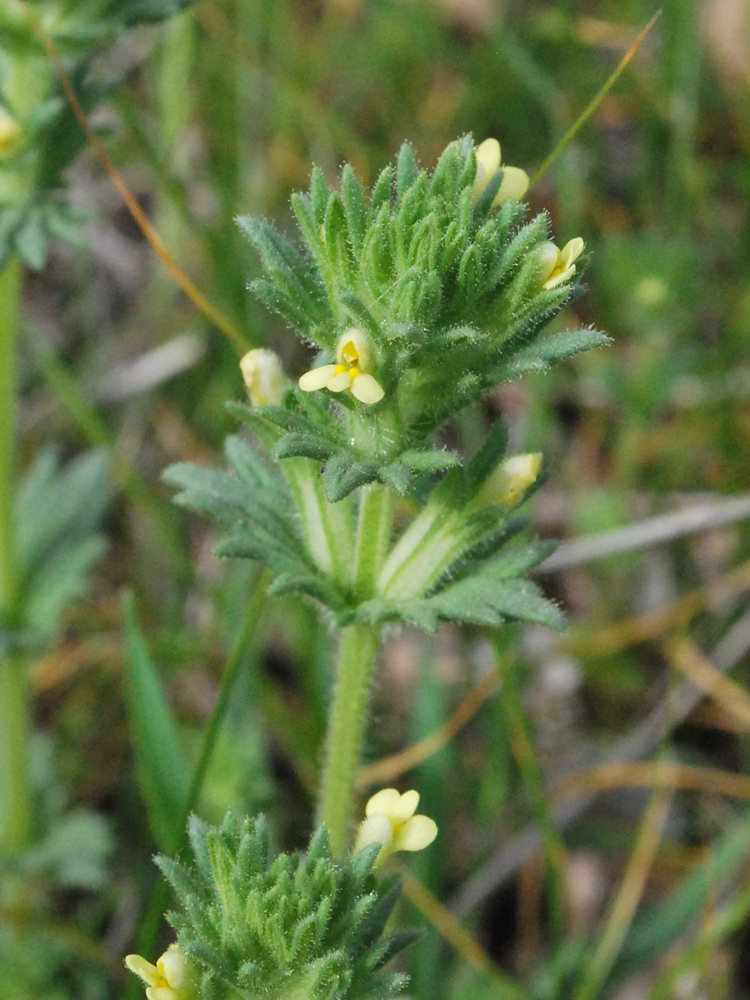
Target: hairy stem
347,721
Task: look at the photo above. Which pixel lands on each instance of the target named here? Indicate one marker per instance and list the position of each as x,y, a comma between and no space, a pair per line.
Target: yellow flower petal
558,278
316,378
405,807
173,967
514,185
162,993
339,382
571,252
488,157
148,972
376,829
385,801
548,256
367,389
416,834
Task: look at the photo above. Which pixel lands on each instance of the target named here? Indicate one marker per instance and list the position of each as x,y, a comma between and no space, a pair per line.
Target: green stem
358,648
15,723
15,810
10,297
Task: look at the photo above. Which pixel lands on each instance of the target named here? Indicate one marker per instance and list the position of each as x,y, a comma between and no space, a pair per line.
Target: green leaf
59,580
430,461
298,445
355,207
488,457
544,353
382,192
407,170
344,473
160,766
319,194
337,238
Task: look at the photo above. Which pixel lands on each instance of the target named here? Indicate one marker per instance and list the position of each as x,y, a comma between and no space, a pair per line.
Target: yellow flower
515,182
10,132
264,377
390,821
556,266
508,484
169,979
351,373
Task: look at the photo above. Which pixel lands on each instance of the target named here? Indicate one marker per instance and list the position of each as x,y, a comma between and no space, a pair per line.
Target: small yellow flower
515,182
169,979
390,821
351,373
508,484
264,377
556,266
10,132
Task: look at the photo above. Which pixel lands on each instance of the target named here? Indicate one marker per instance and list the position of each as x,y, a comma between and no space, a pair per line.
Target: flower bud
264,377
509,483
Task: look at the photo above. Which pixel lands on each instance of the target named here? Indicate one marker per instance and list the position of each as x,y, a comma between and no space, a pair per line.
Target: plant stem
10,295
15,723
14,710
358,648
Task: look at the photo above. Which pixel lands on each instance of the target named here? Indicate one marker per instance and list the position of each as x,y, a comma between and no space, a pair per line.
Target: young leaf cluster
33,208
447,290
296,926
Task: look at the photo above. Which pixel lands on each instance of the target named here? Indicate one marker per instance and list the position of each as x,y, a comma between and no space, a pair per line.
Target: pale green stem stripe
373,537
358,649
327,526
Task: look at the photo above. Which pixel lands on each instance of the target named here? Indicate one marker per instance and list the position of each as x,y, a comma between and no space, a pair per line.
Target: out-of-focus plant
46,540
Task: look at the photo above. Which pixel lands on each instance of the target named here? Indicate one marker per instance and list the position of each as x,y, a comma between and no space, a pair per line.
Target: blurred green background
223,111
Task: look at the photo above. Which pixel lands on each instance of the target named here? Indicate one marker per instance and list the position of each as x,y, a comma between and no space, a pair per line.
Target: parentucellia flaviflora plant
421,297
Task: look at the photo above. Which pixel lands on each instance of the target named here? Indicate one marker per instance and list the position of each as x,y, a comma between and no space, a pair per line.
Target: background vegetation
221,111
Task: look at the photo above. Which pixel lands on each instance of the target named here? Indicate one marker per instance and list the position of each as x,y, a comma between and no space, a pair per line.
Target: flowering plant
420,298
